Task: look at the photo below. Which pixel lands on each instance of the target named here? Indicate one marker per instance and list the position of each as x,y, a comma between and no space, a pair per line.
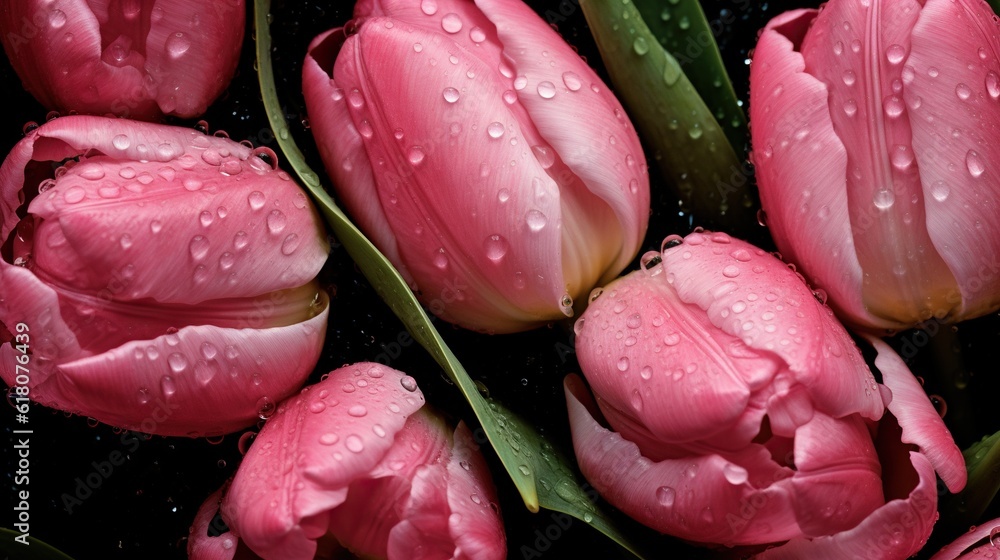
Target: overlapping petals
164,277
550,195
357,458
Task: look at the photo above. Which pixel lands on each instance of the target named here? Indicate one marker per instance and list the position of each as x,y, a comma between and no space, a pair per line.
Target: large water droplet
167,385
354,444
357,411
415,155
198,247
256,200
665,495
940,191
546,90
429,7
329,438
290,244
640,46
276,222
495,130
974,163
178,362
177,45
963,91
883,198
496,247
408,383
895,53
265,408
535,220
734,474
451,23
450,94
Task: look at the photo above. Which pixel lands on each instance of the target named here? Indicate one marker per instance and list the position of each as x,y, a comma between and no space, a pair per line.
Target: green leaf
681,27
982,461
34,550
688,144
524,453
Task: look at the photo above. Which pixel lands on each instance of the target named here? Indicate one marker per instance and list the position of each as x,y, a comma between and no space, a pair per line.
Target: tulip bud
358,462
874,146
745,414
160,280
481,155
134,59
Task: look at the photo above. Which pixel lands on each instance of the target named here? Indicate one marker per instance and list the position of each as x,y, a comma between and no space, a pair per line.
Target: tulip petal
787,104
492,254
954,114
208,191
341,146
750,295
688,391
323,444
207,542
838,480
921,424
965,547
476,528
166,385
192,60
903,279
703,498
896,530
570,107
80,77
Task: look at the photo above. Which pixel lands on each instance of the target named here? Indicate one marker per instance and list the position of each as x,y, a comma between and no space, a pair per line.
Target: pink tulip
979,543
873,134
358,460
743,413
134,59
481,154
162,281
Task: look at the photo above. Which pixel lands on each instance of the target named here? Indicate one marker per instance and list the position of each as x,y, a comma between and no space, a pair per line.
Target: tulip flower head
741,413
873,133
134,59
159,280
358,462
481,155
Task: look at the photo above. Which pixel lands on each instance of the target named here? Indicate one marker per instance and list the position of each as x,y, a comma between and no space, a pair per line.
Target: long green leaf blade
689,145
681,27
524,453
34,550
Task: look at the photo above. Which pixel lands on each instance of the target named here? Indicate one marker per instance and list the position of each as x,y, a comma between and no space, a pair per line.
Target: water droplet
415,155
731,271
524,470
357,411
429,7
178,362
177,45
849,77
883,199
993,84
477,35
198,247
450,94
665,495
496,247
167,386
734,474
572,81
546,90
256,200
850,107
901,156
893,106
290,244
354,444
329,438
57,19
640,46
535,220
265,408
623,364
408,383
963,91
895,53
495,130
276,222
143,396
451,23
974,163
940,191
995,537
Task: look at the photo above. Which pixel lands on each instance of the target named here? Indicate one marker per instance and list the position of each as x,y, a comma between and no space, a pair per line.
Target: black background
144,508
